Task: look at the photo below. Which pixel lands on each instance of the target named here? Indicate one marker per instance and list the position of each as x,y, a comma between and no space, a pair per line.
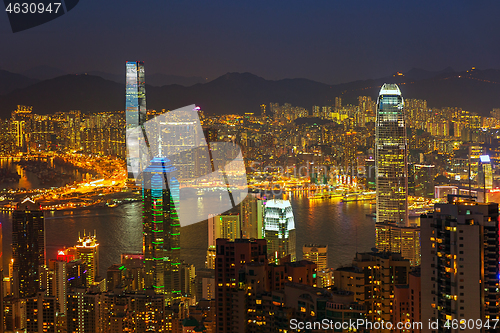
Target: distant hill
12,81
160,80
64,93
43,72
422,74
157,80
477,91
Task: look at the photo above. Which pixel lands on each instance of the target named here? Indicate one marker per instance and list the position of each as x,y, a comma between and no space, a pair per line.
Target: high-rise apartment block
28,247
373,278
391,237
460,273
318,254
231,256
391,157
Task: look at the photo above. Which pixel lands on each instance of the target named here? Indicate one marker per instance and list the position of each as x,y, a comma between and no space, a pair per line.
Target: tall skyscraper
28,247
135,109
136,94
279,230
87,250
161,231
459,272
391,157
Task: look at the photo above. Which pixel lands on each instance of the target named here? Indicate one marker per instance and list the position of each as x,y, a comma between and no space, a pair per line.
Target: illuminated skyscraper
225,226
391,157
28,248
136,94
135,112
161,230
87,250
279,230
252,213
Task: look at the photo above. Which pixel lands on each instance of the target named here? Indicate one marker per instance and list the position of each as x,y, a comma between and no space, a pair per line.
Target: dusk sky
328,41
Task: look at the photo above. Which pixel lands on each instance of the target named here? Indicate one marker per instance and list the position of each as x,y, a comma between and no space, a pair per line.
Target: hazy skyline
326,41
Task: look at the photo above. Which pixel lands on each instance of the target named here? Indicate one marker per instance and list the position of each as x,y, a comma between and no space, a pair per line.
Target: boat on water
359,196
411,213
325,195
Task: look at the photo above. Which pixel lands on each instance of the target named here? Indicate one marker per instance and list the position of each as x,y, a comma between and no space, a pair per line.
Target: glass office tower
279,230
161,230
135,109
391,152
136,94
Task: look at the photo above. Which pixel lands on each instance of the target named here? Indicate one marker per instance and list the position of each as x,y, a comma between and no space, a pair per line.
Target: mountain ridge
473,90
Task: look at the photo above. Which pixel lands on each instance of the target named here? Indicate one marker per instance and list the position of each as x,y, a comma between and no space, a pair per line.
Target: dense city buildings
424,180
460,274
317,158
391,153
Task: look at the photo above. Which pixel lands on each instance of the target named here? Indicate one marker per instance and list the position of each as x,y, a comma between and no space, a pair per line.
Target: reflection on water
29,180
344,227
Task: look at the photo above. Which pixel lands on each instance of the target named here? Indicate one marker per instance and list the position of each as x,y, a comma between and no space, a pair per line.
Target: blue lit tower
391,164
161,229
136,94
135,89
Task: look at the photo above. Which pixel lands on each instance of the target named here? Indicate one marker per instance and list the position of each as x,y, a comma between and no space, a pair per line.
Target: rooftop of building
275,203
315,245
389,89
366,256
28,204
352,269
315,290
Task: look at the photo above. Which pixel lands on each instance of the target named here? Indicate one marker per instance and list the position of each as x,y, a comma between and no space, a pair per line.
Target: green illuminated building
161,230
